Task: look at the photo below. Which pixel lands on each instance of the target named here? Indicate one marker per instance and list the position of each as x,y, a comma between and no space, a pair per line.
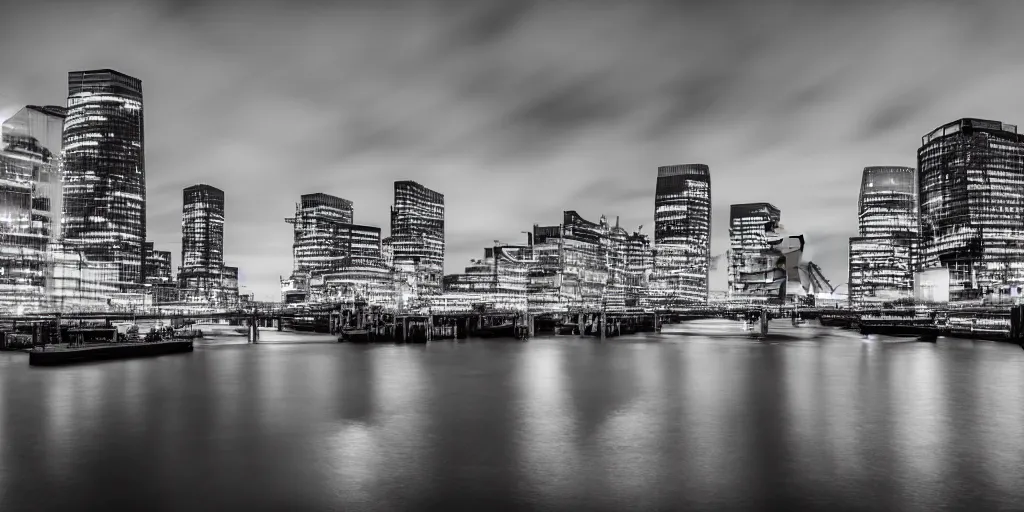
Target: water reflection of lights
550,458
921,424
630,441
356,453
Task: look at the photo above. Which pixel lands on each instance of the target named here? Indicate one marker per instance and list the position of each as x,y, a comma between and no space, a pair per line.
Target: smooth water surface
814,418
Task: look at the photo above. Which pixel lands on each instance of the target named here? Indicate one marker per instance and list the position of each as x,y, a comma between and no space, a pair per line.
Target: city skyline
576,133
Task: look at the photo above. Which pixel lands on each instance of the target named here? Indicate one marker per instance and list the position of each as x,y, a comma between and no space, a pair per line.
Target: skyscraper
202,243
417,234
316,248
888,201
29,203
682,235
971,189
334,259
754,261
105,171
882,258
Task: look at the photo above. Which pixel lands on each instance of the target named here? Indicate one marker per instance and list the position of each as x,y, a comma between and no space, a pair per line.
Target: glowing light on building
334,259
29,204
105,171
583,265
497,282
756,267
417,234
971,181
316,248
882,258
682,235
201,273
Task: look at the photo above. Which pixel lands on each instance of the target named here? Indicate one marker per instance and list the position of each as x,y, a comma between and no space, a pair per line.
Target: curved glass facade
682,235
202,243
315,245
105,171
882,258
971,181
888,201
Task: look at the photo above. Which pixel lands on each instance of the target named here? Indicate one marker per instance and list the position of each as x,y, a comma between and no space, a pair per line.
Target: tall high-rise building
105,171
882,258
202,243
417,234
754,269
682,235
29,204
316,247
971,189
334,259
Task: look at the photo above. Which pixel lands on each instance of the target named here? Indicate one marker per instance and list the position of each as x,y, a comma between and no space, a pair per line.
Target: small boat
568,328
505,330
355,336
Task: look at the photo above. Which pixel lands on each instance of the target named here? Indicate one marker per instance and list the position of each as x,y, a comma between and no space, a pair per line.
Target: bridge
332,318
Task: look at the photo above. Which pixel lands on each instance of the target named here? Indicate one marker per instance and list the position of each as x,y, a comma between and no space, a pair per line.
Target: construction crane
813,280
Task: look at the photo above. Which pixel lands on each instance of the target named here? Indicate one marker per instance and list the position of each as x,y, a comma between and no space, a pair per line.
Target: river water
812,418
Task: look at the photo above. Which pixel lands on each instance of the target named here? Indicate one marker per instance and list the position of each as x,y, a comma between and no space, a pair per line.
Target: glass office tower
971,196
417,234
682,235
29,204
105,171
883,257
202,243
315,244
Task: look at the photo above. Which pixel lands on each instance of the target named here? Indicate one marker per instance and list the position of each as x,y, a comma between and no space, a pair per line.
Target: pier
362,323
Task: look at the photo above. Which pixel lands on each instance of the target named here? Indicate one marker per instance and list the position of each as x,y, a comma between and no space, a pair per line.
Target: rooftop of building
322,199
79,81
743,208
203,187
970,125
700,170
51,110
413,184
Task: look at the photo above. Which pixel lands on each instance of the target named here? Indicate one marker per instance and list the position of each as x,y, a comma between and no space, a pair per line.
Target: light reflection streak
712,418
998,388
920,425
357,452
549,455
630,441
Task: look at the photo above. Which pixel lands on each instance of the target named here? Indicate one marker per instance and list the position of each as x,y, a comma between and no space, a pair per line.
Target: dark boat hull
101,353
356,336
568,329
498,331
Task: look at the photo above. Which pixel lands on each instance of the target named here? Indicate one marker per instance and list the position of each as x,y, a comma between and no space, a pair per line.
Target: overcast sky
518,110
